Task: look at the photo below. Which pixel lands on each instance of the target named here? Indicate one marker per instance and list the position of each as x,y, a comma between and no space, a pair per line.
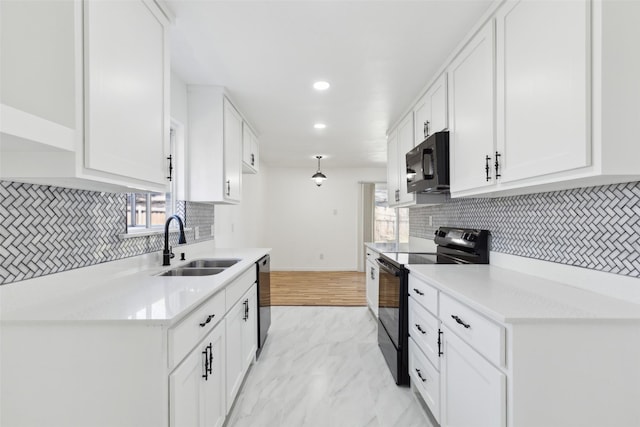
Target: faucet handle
171,254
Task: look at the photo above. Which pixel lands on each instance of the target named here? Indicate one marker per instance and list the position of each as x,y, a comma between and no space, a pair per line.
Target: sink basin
207,263
188,271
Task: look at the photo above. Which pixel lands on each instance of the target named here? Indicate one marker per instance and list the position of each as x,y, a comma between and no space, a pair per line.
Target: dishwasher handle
388,268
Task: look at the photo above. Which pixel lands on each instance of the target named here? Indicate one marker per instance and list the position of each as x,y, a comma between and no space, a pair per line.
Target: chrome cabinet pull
228,187
418,327
417,291
497,165
420,375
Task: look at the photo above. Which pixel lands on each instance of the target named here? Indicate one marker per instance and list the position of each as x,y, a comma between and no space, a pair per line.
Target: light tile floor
321,367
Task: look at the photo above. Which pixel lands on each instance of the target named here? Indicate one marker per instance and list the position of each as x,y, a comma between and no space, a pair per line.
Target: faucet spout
166,253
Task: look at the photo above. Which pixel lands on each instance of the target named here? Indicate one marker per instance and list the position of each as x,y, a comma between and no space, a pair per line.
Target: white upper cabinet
250,150
471,95
214,147
232,152
405,144
400,142
430,113
562,104
85,94
543,88
125,90
393,190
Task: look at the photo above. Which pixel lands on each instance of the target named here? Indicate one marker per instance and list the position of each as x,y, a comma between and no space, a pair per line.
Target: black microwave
428,165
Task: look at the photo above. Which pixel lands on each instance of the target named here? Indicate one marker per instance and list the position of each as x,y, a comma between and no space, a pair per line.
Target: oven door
389,304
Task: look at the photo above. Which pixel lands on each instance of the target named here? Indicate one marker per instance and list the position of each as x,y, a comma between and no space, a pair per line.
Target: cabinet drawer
484,335
423,328
186,334
425,295
240,286
425,378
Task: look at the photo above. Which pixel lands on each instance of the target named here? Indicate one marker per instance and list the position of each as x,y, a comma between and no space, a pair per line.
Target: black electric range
454,246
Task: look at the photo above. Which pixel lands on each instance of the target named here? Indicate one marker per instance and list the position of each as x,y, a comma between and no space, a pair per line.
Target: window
390,224
147,211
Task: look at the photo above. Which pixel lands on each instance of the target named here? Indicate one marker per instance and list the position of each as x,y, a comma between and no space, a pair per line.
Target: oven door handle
389,269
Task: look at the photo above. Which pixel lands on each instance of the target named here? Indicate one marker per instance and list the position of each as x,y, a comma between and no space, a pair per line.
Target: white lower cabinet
425,378
241,343
197,386
473,390
372,276
131,373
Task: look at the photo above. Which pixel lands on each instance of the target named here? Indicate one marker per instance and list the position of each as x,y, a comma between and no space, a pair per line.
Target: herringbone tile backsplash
46,230
595,227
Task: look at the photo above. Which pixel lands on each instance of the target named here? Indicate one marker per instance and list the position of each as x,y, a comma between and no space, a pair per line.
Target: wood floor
326,288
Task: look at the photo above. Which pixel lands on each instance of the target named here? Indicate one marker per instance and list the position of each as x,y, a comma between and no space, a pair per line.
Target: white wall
243,225
305,221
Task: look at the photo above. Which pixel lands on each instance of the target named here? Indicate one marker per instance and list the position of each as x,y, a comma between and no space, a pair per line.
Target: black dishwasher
264,300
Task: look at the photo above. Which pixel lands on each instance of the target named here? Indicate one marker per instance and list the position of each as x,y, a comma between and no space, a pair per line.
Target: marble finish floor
321,367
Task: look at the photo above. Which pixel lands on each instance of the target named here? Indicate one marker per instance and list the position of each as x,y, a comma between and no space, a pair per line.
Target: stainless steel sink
191,271
207,263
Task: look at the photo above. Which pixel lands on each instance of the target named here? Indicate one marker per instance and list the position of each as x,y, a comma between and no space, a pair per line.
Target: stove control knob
436,233
442,234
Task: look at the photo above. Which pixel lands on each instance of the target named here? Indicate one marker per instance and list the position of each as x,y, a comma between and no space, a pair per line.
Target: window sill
131,234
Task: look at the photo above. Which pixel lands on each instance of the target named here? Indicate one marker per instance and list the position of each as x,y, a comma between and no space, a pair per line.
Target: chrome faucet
167,253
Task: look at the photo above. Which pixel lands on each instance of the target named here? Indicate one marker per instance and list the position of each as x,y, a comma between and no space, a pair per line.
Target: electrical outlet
321,256
430,220
212,229
197,232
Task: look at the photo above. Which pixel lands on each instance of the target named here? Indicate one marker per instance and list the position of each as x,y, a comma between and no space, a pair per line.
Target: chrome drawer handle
418,327
420,375
417,291
211,316
460,322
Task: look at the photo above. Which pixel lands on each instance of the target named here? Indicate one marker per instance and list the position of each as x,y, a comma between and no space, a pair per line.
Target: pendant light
318,177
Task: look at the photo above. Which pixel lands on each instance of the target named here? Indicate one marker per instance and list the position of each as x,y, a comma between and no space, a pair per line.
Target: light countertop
125,290
508,296
401,247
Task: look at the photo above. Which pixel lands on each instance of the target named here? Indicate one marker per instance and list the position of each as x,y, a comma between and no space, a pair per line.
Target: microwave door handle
427,163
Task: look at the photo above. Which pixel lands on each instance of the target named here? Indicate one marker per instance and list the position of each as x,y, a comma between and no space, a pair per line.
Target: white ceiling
377,55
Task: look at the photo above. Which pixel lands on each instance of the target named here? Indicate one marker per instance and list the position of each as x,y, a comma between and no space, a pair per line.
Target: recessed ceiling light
319,126
321,85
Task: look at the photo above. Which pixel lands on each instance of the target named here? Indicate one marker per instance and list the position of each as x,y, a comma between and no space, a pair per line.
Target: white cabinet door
422,118
393,190
126,117
250,327
471,104
430,113
473,390
250,153
196,387
405,144
372,286
242,341
232,152
235,358
214,392
438,105
543,77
